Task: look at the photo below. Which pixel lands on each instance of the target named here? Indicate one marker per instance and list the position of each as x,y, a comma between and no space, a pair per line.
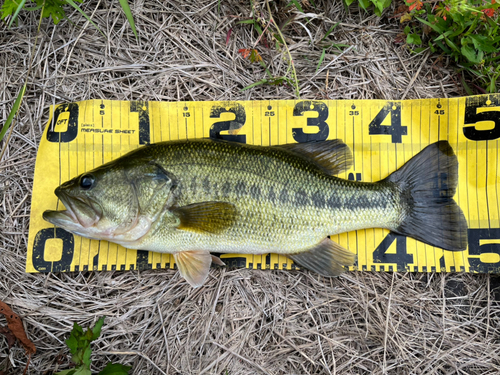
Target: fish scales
303,203
190,198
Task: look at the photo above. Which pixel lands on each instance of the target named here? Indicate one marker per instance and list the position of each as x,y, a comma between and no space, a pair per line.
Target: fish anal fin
194,266
206,217
218,261
327,258
332,156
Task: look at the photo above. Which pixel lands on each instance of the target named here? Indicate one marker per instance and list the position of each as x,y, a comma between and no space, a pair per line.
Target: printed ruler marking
402,124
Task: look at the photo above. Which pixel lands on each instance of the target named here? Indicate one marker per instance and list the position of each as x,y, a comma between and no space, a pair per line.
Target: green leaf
86,356
297,5
338,46
130,17
14,16
258,28
492,87
413,39
443,47
72,343
452,45
73,4
321,59
470,54
252,21
416,39
407,30
82,371
330,29
52,9
349,2
434,27
115,369
96,331
8,8
364,4
379,6
261,82
13,112
483,43
71,371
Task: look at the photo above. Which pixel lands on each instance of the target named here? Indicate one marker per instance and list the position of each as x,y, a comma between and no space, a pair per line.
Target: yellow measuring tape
383,135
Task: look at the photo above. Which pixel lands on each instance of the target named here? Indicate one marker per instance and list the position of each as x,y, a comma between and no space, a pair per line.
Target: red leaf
245,52
11,339
16,327
490,12
228,36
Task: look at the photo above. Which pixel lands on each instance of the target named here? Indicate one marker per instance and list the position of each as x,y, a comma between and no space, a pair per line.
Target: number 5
472,117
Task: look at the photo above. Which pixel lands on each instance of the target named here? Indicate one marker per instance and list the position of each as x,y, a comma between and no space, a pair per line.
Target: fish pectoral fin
327,258
194,266
209,217
332,156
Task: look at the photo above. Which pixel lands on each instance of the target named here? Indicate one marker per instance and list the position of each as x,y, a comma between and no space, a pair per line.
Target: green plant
290,77
379,5
79,346
55,10
466,30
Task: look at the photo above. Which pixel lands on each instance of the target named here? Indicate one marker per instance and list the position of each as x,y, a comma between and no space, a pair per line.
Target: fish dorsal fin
194,266
332,156
327,258
206,217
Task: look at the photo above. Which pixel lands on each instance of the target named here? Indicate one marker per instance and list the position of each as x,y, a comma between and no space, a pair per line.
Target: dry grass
241,321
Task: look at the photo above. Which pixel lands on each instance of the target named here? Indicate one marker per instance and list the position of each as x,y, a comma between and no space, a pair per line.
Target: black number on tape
395,129
239,120
472,117
401,258
350,177
142,260
235,262
320,122
142,108
72,123
68,248
476,249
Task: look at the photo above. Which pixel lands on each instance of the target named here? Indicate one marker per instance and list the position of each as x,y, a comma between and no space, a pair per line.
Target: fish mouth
79,212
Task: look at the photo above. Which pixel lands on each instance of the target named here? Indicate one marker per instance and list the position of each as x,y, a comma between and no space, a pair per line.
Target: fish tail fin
427,183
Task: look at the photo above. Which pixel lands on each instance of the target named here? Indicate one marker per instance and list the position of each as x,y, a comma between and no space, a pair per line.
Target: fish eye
87,181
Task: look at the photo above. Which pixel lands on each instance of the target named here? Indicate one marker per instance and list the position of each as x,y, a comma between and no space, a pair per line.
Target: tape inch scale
383,135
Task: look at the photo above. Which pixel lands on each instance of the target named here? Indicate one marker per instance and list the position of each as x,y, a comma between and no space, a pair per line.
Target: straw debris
241,321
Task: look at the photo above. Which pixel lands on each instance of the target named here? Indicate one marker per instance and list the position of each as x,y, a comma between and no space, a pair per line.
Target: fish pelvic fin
327,258
194,266
332,156
427,184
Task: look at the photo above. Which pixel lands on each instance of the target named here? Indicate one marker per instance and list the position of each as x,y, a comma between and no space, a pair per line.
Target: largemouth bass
193,197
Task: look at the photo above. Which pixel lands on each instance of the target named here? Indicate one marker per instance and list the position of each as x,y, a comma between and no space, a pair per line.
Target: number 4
395,129
401,258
